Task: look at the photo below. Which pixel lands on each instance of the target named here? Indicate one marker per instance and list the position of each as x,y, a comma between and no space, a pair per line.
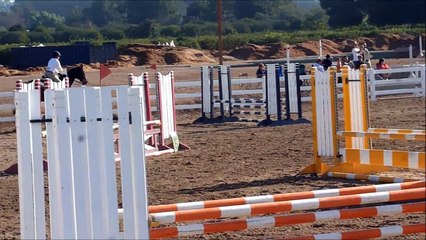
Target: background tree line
27,21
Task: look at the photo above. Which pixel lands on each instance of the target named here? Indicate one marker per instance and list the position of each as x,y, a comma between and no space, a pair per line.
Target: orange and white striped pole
285,197
279,221
369,233
287,206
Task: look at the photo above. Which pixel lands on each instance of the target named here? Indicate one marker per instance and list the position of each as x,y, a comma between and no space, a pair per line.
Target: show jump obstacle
270,105
357,157
82,179
164,127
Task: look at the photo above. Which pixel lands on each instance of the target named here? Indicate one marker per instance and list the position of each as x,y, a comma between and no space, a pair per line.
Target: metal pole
219,30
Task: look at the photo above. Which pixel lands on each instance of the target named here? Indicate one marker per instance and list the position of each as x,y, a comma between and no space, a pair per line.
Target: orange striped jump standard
279,221
285,197
369,233
287,206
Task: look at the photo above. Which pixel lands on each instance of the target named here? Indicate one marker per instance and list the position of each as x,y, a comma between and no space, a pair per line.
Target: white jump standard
233,109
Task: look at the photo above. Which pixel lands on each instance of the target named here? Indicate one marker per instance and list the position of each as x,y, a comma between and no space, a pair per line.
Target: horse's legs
41,93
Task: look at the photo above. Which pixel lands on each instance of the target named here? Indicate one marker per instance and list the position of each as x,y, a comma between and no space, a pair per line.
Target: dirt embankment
141,54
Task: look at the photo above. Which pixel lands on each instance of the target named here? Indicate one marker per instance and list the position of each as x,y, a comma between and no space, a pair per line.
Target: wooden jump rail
287,206
279,221
369,233
285,197
379,135
373,178
388,158
386,130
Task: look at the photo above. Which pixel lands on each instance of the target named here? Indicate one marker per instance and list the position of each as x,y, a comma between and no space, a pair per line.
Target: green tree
105,12
394,12
163,11
343,13
46,19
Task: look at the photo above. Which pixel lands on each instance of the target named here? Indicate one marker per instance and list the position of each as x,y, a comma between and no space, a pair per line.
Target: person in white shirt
318,65
356,56
54,67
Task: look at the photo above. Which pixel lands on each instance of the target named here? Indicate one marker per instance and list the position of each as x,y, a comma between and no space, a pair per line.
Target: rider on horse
54,68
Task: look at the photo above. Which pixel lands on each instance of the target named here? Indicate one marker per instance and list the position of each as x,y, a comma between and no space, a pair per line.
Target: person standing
327,62
54,67
366,55
261,71
356,56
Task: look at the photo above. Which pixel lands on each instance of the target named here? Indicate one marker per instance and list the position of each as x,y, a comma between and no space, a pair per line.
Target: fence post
371,76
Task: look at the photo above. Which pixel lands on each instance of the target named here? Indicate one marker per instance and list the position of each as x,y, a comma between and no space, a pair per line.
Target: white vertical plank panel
94,146
107,167
23,135
80,164
37,166
126,165
140,197
63,171
53,184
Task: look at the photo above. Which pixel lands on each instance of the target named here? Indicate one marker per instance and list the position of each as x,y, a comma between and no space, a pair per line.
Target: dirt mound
164,55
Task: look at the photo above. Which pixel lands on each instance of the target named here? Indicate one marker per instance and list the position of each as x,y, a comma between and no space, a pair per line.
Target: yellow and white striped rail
387,130
279,221
388,158
380,135
372,178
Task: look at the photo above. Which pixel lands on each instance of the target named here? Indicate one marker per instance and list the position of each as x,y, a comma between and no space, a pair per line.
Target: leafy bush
188,42
170,31
14,37
191,30
112,33
40,37
73,34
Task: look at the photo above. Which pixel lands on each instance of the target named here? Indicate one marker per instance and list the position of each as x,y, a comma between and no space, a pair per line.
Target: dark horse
73,73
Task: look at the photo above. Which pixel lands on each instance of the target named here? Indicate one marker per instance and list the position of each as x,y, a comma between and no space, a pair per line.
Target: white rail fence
408,80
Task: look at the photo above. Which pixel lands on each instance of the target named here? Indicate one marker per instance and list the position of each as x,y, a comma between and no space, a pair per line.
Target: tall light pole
219,30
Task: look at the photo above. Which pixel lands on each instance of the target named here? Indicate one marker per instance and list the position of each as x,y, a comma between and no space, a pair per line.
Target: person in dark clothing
261,71
326,63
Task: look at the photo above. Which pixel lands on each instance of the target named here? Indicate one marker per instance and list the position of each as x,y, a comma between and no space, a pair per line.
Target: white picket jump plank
126,166
79,137
93,139
66,222
29,224
107,166
138,164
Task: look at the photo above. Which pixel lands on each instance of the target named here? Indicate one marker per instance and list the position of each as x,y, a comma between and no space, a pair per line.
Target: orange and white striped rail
388,158
373,178
369,233
286,206
387,130
399,136
285,197
279,221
